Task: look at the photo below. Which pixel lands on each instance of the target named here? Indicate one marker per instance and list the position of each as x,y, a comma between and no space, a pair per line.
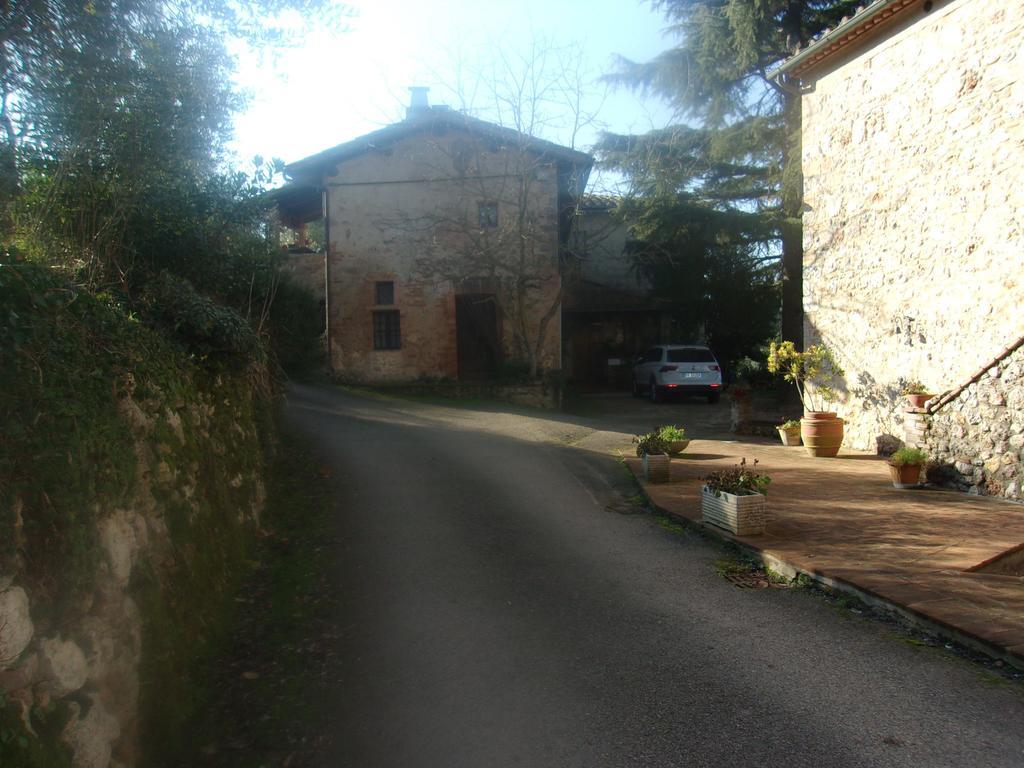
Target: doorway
477,340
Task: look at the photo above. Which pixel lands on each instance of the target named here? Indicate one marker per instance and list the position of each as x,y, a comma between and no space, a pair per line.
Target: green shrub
907,455
671,433
651,443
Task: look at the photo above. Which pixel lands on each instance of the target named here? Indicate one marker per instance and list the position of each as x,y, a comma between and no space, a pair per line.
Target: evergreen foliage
113,123
735,155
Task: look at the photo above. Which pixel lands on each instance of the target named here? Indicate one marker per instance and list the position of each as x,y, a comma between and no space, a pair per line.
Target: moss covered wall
130,487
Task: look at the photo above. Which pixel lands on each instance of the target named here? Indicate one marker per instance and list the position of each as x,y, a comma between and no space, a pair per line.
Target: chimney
418,102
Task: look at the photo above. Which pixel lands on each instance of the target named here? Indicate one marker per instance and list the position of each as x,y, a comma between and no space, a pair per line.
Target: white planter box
656,467
743,515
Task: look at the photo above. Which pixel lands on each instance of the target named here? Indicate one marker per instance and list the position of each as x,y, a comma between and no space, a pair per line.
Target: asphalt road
501,609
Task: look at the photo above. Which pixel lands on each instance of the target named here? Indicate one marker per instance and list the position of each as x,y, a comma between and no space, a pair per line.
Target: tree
704,263
741,151
114,116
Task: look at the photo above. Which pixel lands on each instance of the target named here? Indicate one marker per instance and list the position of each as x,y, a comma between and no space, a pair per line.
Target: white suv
688,369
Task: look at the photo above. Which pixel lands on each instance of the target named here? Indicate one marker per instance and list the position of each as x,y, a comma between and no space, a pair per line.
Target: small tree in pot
814,372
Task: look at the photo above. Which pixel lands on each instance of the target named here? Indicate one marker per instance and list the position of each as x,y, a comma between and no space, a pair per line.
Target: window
488,215
385,293
691,355
387,331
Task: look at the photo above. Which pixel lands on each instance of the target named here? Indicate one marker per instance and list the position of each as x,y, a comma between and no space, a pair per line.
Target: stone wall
408,214
913,235
131,481
976,442
87,660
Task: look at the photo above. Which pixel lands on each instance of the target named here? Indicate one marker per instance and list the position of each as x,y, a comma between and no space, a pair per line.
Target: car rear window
690,355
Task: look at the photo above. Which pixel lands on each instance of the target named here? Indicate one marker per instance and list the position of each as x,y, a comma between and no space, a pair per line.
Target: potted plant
789,432
735,499
675,437
905,467
814,373
917,394
653,451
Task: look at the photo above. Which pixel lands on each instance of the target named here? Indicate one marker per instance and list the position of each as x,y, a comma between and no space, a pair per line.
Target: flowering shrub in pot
735,499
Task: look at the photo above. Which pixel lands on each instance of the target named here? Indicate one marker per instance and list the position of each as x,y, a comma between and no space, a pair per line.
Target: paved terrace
841,520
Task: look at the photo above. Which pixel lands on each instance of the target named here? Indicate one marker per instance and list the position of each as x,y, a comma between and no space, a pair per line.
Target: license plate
691,375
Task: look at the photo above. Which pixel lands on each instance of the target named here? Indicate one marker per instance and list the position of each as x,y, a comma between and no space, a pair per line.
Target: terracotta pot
905,475
918,401
822,433
790,435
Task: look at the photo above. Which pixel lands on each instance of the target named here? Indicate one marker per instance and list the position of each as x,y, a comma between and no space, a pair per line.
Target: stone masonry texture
913,151
408,214
976,443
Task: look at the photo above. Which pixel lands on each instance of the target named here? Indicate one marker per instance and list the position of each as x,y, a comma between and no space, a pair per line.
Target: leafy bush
907,455
209,329
790,424
739,481
671,433
752,373
651,443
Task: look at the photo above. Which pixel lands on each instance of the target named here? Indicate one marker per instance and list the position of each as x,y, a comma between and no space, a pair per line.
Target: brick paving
841,520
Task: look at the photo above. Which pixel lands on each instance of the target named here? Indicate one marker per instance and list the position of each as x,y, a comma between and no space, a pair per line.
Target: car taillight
667,368
714,368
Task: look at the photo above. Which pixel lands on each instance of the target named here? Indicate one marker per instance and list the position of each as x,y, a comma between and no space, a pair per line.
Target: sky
340,84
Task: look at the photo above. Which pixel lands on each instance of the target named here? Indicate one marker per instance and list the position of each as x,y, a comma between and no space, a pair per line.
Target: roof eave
842,37
342,152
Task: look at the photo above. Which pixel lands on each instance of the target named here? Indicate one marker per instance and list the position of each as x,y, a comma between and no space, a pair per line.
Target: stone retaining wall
91,653
976,442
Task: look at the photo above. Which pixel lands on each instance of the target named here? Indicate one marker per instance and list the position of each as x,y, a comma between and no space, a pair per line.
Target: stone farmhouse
913,161
444,239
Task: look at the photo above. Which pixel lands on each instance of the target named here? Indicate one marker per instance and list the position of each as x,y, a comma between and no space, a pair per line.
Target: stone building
444,236
913,162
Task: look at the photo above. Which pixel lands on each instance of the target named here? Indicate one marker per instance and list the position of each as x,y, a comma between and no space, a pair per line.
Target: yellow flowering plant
815,366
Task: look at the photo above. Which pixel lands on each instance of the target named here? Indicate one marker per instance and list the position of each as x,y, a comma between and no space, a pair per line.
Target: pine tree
738,147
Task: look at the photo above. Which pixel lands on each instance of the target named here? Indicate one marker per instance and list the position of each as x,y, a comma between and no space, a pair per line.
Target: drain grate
748,580
753,580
